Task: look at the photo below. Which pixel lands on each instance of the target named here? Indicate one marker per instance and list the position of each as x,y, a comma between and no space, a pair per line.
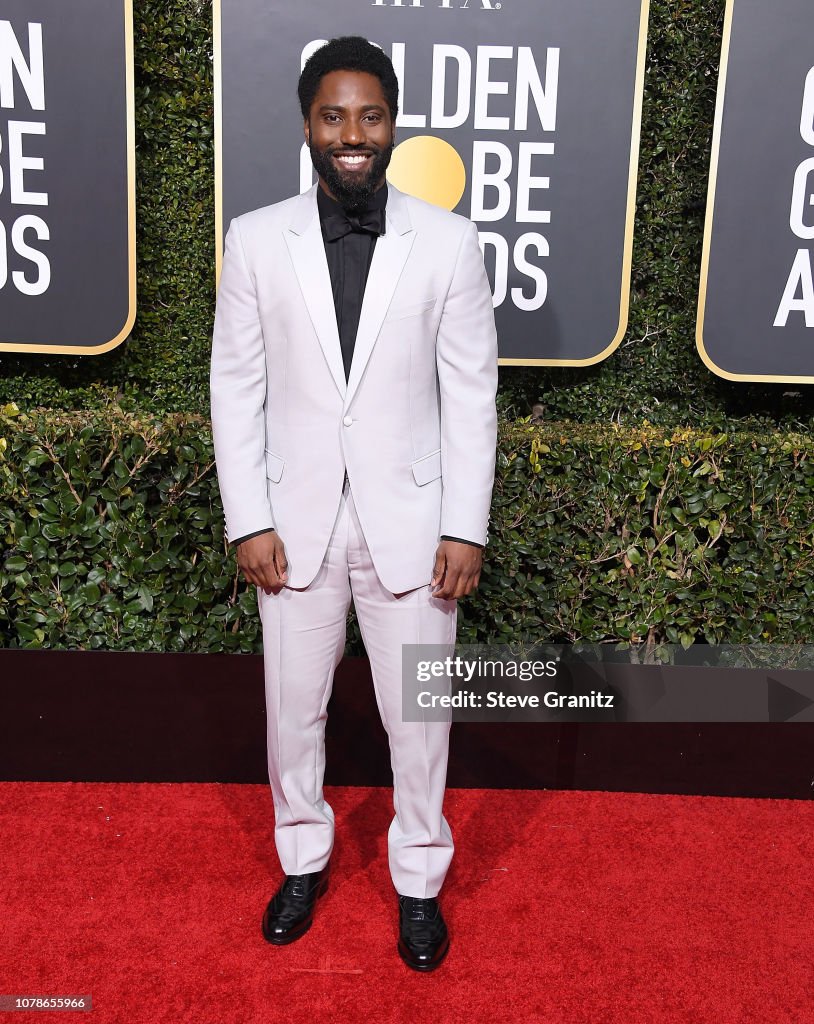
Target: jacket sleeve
237,385
466,360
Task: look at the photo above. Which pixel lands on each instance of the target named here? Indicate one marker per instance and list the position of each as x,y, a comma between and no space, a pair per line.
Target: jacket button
347,420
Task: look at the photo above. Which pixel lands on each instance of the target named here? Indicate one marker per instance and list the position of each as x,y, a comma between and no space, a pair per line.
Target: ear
306,127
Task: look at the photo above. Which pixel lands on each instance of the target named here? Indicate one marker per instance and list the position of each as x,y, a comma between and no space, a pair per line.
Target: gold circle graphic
430,169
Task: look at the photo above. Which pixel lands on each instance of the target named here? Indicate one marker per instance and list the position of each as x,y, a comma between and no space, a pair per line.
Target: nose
352,132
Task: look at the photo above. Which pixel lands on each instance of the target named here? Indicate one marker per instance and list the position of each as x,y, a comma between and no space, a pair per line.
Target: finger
438,569
468,583
462,589
252,578
281,564
274,581
263,581
244,566
441,588
448,588
266,583
266,590
259,573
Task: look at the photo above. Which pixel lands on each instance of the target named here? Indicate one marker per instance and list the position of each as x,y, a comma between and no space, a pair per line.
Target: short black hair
347,53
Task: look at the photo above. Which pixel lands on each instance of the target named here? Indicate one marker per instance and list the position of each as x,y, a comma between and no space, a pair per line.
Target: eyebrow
339,107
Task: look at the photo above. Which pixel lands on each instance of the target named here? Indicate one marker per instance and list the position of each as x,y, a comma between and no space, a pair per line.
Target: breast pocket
413,309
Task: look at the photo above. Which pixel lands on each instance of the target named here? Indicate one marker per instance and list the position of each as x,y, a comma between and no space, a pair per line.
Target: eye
331,118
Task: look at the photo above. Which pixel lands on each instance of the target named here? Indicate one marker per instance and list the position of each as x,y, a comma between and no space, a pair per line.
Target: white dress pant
303,642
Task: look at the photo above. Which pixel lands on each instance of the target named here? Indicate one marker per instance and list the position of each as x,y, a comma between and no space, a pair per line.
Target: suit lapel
389,257
307,250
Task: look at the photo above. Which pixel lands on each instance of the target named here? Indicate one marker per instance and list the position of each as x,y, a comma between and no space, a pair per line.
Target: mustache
364,149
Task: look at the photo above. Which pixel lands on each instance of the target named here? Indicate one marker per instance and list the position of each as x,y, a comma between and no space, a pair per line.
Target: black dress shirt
350,240
349,251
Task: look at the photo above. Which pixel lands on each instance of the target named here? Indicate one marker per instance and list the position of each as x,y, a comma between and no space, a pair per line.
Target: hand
262,561
457,568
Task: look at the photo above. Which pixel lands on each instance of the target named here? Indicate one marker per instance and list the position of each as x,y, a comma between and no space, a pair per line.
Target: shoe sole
286,940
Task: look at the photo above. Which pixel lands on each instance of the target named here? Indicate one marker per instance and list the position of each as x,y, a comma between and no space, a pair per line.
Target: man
354,369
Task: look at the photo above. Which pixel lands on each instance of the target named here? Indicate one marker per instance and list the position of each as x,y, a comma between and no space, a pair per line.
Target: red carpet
574,908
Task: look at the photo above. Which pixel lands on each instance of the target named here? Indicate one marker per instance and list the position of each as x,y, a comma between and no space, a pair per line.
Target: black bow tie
337,225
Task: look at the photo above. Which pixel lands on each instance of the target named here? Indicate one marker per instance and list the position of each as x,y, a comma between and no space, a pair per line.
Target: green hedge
112,537
656,373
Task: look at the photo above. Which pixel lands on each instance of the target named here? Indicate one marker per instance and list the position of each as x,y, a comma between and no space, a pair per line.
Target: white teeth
352,159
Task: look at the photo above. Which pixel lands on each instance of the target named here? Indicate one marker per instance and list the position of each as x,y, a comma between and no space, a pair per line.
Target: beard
352,191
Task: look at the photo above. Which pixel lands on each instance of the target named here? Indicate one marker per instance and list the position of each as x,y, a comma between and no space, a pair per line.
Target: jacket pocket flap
414,309
274,466
427,468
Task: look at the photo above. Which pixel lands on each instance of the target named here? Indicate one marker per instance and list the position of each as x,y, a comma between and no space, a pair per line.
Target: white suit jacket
415,426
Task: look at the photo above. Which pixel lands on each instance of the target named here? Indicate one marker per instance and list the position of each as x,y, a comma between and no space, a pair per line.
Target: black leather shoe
291,909
423,938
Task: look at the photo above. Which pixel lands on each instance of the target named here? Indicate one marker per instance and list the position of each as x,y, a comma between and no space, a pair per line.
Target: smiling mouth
351,160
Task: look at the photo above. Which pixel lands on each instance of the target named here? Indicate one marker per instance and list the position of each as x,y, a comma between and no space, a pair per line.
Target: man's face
350,134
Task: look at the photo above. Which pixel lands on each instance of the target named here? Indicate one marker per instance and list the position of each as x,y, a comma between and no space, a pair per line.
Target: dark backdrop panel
87,155
108,716
750,247
590,196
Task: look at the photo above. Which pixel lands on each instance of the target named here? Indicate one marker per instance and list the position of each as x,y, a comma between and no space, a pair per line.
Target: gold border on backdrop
87,350
627,253
711,189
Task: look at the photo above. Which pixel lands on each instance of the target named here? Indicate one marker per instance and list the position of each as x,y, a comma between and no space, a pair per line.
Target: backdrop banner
756,299
520,114
67,176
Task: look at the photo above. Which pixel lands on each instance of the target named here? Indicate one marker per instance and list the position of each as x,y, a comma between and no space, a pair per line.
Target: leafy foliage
112,537
613,534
